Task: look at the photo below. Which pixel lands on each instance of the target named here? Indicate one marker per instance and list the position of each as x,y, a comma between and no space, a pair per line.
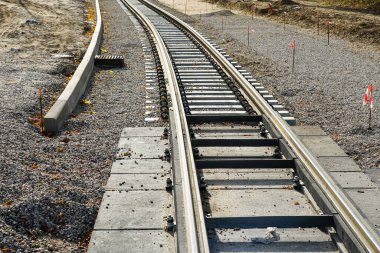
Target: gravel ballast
51,188
327,86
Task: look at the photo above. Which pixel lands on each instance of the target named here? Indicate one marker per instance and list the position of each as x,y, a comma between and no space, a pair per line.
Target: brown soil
360,25
40,26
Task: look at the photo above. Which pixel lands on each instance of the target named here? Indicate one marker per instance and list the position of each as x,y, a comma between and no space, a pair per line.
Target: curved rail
196,233
362,230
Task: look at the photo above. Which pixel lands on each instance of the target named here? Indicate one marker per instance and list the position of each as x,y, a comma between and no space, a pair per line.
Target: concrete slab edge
74,90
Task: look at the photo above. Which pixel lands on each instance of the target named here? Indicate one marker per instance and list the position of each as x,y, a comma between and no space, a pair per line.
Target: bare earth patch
41,26
357,24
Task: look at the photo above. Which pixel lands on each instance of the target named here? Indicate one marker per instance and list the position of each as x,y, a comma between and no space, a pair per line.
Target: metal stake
41,112
328,33
248,36
318,22
294,53
328,36
293,45
370,117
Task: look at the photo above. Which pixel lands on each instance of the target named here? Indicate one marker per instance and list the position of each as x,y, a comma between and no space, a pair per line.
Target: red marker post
285,15
368,100
293,46
328,23
270,8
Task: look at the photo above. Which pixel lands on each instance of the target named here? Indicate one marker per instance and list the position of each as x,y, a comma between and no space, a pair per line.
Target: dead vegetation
358,5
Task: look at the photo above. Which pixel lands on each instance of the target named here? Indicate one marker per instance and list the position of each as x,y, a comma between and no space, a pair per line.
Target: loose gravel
51,188
327,86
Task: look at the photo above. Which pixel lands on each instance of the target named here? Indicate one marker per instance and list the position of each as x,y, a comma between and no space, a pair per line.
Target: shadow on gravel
363,130
219,13
290,92
53,217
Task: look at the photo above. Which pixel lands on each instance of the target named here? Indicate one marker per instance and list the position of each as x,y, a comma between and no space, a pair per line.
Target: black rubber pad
109,60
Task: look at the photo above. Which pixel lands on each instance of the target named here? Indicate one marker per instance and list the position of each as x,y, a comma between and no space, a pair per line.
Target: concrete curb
74,90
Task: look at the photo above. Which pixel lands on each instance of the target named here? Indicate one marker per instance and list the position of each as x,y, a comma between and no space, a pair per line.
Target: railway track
246,179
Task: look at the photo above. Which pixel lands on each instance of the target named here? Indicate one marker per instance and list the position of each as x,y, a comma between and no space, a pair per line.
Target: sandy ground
327,87
41,27
191,7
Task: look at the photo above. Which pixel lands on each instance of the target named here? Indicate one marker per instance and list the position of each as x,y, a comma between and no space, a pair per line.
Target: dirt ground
359,24
41,27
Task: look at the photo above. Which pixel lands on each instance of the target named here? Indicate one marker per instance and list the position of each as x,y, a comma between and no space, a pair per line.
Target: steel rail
196,232
362,230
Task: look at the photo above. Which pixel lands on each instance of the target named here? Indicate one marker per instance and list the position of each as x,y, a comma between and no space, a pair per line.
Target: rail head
365,234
